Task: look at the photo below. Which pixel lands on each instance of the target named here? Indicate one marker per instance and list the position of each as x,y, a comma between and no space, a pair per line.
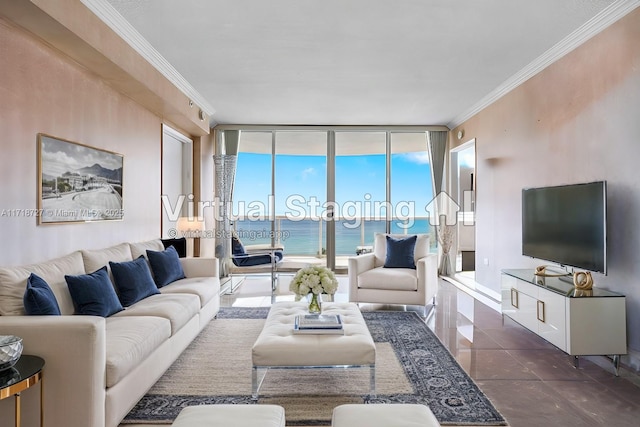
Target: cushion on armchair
237,248
400,252
248,260
421,249
241,258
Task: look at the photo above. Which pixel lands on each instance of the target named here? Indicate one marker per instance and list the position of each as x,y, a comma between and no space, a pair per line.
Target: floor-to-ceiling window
360,192
301,192
376,179
411,188
252,189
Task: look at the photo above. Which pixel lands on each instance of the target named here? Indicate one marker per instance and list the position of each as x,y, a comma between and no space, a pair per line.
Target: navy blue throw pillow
400,252
93,294
237,248
39,298
133,280
165,265
180,245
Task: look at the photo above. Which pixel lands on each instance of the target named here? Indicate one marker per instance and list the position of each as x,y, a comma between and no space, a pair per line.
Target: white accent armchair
370,281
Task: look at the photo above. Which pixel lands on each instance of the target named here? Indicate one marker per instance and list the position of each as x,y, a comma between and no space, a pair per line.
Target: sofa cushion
129,341
402,279
206,288
98,258
13,283
165,265
39,298
140,248
133,280
93,294
421,249
177,308
400,252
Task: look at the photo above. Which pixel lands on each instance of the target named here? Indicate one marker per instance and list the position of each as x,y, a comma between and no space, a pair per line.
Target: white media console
579,323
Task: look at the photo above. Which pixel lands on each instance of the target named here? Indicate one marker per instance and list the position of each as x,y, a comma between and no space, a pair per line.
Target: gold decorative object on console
582,280
582,293
541,271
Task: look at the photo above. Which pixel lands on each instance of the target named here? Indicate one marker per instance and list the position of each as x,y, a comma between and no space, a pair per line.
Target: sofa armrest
427,269
358,265
74,351
200,267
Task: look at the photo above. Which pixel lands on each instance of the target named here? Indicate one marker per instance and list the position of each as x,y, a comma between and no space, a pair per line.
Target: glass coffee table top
24,370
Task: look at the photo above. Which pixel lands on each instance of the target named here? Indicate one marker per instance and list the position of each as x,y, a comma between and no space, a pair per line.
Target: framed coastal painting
77,183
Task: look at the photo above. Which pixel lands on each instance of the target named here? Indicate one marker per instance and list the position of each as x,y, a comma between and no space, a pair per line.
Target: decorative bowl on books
10,351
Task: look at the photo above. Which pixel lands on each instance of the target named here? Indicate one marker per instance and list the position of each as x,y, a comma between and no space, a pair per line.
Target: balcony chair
398,271
251,259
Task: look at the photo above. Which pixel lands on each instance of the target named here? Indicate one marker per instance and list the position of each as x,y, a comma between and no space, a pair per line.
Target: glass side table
25,373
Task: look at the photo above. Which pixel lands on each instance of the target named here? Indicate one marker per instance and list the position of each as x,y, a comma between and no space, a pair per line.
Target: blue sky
356,177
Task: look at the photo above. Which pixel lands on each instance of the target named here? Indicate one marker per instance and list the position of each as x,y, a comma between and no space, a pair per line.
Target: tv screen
566,225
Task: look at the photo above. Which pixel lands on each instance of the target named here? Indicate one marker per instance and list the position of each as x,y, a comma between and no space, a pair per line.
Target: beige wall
43,91
576,121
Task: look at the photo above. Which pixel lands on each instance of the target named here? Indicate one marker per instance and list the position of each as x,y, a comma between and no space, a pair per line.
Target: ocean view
307,237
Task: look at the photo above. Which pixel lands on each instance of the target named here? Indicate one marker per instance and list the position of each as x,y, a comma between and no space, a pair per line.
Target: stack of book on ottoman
318,324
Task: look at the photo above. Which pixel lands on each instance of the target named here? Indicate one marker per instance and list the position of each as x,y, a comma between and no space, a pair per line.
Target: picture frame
77,183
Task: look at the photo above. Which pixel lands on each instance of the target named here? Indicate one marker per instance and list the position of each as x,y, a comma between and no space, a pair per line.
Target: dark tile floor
530,382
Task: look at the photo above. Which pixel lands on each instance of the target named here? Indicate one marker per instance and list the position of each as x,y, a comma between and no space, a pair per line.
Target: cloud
421,158
308,172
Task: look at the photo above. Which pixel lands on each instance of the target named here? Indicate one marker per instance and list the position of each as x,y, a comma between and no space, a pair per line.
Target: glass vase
315,305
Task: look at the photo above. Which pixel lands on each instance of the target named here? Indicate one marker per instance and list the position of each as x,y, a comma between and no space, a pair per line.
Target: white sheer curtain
225,161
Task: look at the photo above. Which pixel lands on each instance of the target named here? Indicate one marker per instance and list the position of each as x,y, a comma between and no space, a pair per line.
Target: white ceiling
356,62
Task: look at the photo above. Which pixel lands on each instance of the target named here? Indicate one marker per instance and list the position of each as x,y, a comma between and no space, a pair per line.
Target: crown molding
112,18
595,25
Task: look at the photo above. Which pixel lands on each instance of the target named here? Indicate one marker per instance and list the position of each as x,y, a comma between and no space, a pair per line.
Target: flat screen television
567,225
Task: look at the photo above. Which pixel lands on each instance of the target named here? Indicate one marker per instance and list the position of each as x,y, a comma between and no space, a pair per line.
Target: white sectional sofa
97,368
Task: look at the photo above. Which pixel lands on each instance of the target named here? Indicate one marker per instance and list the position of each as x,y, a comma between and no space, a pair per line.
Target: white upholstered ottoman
278,347
382,415
231,415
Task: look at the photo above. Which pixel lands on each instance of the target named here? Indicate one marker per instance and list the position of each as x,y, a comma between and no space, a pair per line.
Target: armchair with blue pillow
255,259
400,270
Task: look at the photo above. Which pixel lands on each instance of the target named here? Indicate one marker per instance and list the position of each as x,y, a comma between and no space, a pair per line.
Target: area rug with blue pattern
412,366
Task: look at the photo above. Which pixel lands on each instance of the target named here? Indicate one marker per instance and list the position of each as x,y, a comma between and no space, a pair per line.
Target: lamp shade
190,226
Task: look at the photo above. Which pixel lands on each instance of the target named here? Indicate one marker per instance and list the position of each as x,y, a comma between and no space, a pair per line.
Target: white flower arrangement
314,280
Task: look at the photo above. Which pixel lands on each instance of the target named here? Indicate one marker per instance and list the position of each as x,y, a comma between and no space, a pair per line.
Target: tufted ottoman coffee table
278,347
